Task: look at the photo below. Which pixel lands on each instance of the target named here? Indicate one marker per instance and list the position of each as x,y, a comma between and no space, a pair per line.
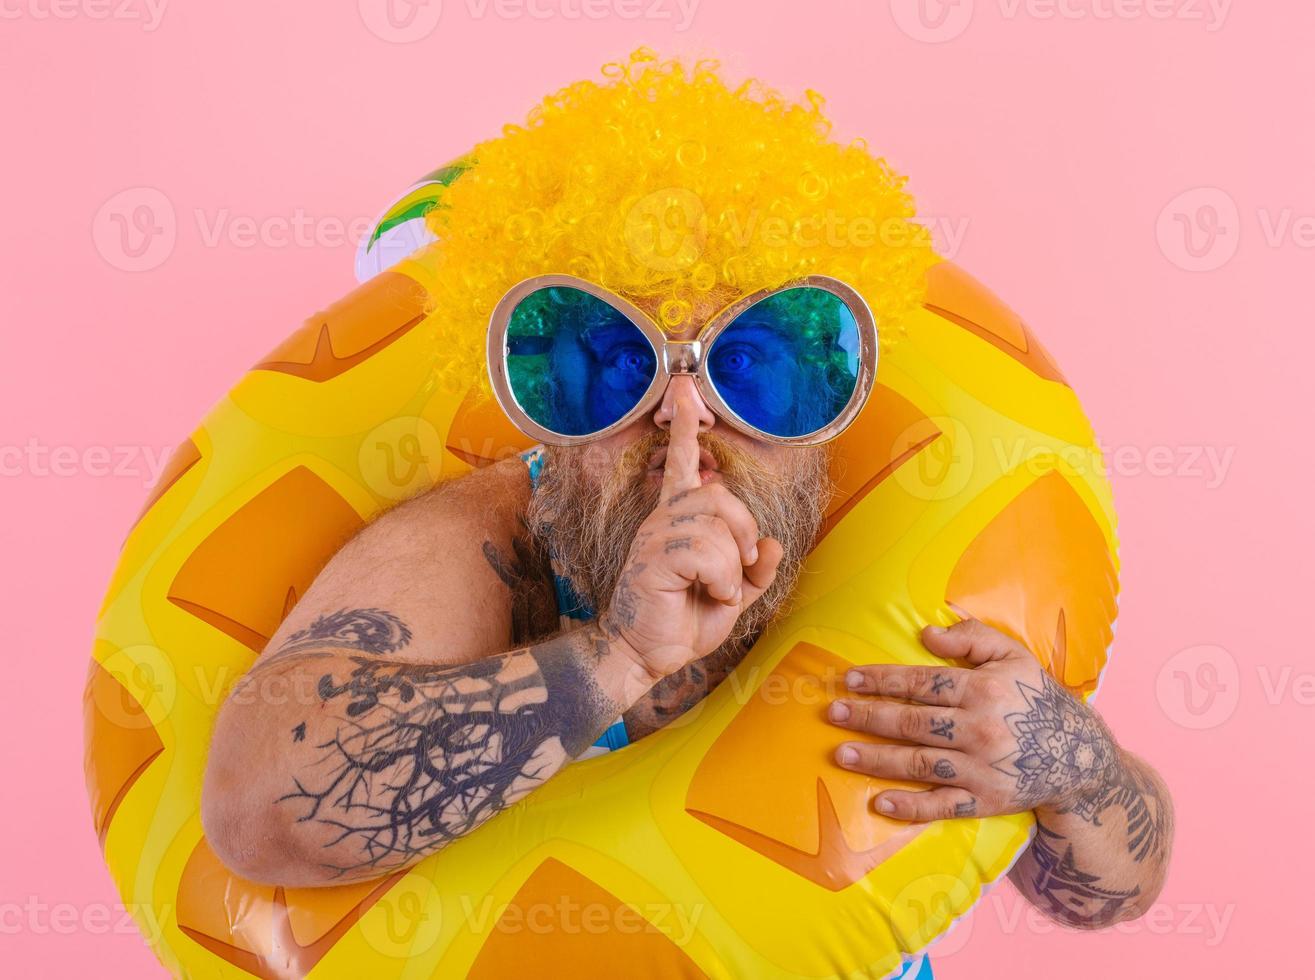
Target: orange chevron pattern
280,934
1041,571
244,577
121,744
547,924
784,721
349,333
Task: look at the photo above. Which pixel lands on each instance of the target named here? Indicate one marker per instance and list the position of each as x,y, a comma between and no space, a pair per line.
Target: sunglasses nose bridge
682,356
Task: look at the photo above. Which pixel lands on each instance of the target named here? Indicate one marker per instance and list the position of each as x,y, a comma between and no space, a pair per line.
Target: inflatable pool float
728,845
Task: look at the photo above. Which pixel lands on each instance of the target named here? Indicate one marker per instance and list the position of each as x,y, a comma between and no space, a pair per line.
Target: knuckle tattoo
943,728
964,808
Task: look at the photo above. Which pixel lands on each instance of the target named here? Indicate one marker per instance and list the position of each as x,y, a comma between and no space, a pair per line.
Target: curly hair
669,187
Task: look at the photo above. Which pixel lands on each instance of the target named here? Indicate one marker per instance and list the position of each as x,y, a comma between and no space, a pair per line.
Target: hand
998,735
695,565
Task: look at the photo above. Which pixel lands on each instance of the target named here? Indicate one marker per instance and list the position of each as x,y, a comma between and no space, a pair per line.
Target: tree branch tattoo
417,755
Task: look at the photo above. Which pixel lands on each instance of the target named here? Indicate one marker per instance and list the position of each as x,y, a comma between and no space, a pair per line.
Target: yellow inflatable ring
729,846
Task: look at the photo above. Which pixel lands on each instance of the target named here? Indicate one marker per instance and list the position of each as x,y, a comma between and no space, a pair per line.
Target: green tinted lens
576,365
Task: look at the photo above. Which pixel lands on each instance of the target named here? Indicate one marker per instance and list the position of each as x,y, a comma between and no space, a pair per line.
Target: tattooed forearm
409,757
1127,796
1101,854
1068,893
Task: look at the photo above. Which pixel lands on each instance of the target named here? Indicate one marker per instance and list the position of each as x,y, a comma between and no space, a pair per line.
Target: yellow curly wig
670,188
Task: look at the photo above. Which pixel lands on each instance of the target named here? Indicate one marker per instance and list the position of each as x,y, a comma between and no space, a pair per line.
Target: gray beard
588,524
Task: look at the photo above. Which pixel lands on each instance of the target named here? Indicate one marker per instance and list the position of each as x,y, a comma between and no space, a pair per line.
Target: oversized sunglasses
571,362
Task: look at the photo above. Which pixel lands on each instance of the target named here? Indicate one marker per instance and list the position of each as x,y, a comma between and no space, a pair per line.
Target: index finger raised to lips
681,470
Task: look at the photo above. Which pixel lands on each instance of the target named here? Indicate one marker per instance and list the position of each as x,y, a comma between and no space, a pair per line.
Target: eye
631,358
735,358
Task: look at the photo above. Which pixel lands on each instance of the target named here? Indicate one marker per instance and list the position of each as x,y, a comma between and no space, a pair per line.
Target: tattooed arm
1101,856
334,762
1000,735
388,717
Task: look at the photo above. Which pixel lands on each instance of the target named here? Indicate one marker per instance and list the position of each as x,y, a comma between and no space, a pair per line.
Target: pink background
1134,177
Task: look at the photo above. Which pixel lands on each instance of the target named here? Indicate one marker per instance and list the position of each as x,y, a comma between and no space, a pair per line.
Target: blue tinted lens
576,365
788,365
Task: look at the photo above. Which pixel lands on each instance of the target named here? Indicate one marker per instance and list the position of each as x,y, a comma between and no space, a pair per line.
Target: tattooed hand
1001,737
695,565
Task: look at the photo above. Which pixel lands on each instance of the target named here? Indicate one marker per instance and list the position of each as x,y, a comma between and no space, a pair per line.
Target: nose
681,388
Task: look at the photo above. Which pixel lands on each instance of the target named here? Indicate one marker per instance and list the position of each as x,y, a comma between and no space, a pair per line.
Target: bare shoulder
476,518
499,490
454,564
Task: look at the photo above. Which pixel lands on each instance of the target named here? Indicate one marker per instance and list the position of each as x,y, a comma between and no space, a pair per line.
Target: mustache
733,462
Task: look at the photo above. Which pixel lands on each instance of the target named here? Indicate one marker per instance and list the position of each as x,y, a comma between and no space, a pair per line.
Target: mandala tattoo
1062,747
1066,754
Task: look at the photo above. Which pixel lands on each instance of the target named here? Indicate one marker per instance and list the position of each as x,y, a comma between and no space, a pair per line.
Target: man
430,686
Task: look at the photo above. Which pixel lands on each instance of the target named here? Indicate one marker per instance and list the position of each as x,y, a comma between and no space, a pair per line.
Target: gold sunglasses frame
680,357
